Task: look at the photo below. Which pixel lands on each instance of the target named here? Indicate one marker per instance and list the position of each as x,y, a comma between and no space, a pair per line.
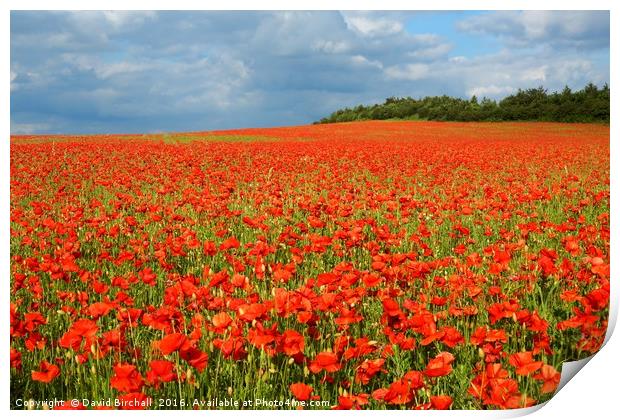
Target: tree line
590,104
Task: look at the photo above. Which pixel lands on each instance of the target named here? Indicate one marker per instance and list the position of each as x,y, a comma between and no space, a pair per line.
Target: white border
592,394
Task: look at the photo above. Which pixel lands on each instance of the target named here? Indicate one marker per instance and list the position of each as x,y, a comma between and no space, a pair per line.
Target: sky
145,72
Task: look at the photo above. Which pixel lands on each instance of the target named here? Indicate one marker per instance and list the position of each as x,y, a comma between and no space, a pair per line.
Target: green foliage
590,104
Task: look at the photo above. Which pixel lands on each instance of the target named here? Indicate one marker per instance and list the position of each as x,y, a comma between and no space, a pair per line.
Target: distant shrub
590,104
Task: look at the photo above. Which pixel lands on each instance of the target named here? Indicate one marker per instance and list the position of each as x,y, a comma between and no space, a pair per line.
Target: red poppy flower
47,373
351,402
368,369
209,248
173,342
83,329
399,392
194,357
292,342
16,359
301,391
99,309
440,365
229,243
550,378
126,378
441,402
260,337
391,307
327,361
252,311
161,371
32,321
233,347
221,321
524,363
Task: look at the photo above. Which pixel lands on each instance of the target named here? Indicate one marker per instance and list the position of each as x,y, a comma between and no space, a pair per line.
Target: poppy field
365,265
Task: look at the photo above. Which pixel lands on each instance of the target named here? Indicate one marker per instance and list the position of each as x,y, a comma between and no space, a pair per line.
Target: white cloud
573,70
363,61
431,53
14,85
560,29
109,21
535,74
102,70
28,128
426,38
371,25
498,75
535,23
331,47
120,18
408,72
123,67
490,91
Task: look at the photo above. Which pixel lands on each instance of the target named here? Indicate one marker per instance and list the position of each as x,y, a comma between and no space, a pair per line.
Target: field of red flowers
373,265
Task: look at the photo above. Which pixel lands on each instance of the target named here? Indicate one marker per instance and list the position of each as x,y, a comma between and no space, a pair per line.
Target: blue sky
446,24
141,72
